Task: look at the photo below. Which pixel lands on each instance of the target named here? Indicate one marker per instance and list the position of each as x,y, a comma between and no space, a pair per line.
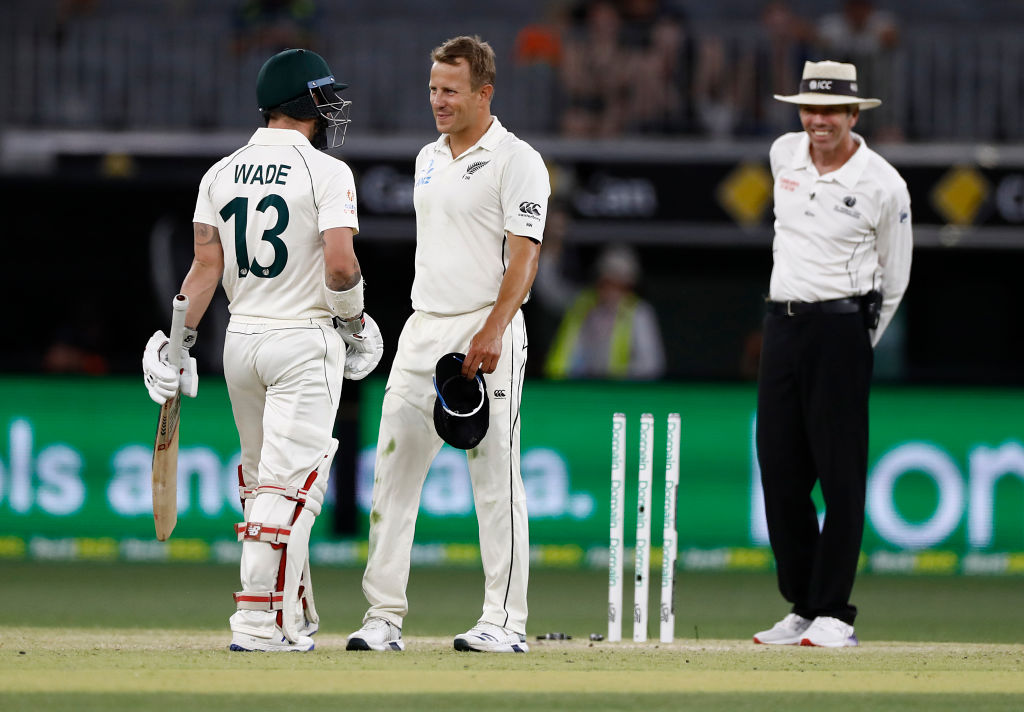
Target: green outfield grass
147,637
447,601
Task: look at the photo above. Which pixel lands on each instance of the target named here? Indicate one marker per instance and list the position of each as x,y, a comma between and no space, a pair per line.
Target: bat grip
179,306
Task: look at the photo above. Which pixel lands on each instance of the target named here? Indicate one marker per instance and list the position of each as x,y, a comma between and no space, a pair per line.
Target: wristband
347,304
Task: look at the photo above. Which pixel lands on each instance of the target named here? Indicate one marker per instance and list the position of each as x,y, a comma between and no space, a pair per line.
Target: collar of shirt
847,175
279,137
489,141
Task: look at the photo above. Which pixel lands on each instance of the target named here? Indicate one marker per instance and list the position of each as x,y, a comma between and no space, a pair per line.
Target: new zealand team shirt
464,208
841,234
270,200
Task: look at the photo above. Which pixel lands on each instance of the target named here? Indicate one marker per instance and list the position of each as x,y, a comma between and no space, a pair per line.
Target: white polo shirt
464,208
841,234
270,200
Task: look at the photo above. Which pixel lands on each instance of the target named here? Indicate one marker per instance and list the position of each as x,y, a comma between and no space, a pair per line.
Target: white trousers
407,445
284,380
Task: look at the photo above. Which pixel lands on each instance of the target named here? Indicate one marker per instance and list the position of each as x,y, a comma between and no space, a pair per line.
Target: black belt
848,305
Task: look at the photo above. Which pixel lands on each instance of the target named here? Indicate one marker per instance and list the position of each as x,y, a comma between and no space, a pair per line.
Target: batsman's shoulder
320,164
216,168
221,163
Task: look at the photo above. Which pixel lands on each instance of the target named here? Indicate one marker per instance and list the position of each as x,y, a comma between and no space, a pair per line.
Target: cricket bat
165,449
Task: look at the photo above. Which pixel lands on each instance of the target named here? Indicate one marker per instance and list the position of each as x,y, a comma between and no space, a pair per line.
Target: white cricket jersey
841,234
464,208
270,200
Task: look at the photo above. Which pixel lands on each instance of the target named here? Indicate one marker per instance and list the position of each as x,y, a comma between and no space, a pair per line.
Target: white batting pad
268,533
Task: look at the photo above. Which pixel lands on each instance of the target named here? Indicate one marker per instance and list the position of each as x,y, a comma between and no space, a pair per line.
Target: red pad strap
294,494
280,585
310,480
259,600
255,531
243,493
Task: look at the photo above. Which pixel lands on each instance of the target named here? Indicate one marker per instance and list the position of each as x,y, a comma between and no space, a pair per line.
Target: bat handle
179,306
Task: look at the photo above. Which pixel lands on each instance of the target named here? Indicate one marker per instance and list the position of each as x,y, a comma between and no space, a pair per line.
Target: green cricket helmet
298,83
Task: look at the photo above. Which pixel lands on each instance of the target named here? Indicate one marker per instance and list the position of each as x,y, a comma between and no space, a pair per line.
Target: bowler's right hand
483,352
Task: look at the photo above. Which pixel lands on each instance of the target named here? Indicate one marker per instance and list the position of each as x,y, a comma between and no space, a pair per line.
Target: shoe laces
379,624
794,622
833,625
491,628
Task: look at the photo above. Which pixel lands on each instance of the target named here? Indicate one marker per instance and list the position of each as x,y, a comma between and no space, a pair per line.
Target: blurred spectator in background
735,78
537,54
608,331
541,42
859,30
71,12
73,23
271,26
718,88
789,39
653,40
868,37
622,69
594,73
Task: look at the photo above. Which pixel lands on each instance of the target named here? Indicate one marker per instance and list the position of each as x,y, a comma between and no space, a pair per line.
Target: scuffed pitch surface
160,645
85,662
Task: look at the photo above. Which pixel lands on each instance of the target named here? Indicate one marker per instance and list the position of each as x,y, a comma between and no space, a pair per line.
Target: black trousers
812,425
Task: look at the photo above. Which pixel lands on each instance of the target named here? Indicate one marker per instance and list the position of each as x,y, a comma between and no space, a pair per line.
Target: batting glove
163,380
363,348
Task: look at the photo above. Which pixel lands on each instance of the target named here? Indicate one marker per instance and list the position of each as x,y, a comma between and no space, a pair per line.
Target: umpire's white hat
829,84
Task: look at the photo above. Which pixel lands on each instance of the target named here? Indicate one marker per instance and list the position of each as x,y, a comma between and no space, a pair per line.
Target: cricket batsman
274,223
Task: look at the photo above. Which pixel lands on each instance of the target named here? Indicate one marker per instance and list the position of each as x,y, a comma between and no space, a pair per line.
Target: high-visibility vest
567,338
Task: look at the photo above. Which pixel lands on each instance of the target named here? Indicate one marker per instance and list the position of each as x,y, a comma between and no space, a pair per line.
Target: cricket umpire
274,222
841,254
481,198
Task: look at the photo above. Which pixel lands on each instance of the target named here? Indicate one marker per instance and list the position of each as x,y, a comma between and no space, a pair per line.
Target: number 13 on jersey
238,208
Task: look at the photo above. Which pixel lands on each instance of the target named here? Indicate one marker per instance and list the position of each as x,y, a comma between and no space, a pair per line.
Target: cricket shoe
308,628
245,643
789,631
828,632
489,638
376,634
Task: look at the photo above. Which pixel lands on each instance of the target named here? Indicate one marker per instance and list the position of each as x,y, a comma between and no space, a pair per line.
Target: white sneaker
827,632
308,628
376,634
245,643
788,631
490,638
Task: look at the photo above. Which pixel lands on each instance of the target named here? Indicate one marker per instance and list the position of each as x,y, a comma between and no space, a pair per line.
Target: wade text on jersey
264,175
